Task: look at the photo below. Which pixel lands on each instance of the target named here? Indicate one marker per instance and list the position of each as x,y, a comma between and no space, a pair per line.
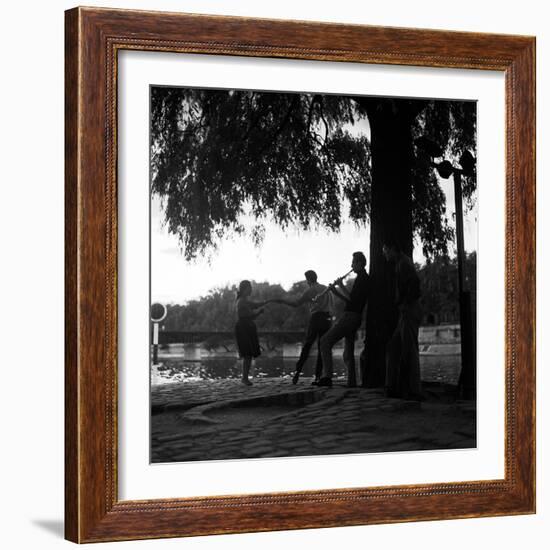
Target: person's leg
324,326
410,363
349,358
246,369
394,352
352,324
311,335
328,340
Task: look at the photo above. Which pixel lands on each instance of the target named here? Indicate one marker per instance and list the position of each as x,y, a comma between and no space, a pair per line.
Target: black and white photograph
313,274
275,274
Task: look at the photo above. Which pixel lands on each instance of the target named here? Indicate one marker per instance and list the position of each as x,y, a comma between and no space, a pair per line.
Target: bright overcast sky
282,258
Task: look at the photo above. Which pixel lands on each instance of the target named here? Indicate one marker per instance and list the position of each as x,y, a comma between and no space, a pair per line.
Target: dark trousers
346,327
319,323
402,361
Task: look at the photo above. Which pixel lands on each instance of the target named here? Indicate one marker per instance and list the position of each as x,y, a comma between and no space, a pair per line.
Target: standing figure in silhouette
402,361
349,323
246,332
319,302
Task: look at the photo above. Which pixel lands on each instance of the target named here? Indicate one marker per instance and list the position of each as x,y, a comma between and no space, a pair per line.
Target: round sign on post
158,314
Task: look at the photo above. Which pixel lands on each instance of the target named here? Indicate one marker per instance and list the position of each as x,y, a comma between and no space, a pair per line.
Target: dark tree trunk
391,218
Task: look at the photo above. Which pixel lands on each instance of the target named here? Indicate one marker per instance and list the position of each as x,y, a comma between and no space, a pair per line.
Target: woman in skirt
245,329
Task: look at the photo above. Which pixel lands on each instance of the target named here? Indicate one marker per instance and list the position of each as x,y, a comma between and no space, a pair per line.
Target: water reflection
178,363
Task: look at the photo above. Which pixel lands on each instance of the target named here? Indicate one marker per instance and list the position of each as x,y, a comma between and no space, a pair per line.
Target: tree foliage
451,125
218,155
439,283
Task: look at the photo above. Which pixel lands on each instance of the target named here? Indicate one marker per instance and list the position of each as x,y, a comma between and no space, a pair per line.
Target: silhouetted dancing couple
320,326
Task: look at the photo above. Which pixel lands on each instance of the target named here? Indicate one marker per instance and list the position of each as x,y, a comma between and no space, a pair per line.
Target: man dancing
348,325
319,321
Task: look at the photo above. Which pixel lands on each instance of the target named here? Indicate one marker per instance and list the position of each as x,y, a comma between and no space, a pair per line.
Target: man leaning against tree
347,326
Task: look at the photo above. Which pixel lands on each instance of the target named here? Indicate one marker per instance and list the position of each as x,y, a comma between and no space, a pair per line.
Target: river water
178,365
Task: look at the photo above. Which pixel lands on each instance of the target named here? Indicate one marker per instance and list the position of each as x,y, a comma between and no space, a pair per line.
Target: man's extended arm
343,290
342,293
292,303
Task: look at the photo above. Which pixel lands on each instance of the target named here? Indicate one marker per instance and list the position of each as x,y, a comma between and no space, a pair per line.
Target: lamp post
468,344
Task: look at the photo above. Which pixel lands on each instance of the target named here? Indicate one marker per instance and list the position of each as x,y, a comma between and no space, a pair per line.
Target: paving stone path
223,419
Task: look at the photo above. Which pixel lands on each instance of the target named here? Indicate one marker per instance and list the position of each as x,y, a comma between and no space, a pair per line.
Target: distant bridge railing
435,334
196,337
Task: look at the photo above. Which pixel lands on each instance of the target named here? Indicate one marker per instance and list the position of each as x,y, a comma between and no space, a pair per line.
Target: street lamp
445,169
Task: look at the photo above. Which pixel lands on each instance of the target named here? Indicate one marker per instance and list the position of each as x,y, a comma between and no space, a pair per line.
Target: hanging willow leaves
219,157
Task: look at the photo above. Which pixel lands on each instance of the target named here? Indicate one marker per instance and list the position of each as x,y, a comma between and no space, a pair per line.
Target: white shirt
324,303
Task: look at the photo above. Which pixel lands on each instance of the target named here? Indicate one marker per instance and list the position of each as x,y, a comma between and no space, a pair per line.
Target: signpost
158,314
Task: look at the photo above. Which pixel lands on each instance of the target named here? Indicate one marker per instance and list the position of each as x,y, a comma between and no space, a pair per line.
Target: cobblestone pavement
223,419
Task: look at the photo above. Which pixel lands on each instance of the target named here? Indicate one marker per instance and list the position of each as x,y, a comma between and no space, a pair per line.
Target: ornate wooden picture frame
94,37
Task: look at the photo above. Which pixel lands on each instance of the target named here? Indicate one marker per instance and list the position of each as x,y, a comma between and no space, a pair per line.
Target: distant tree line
439,283
215,312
